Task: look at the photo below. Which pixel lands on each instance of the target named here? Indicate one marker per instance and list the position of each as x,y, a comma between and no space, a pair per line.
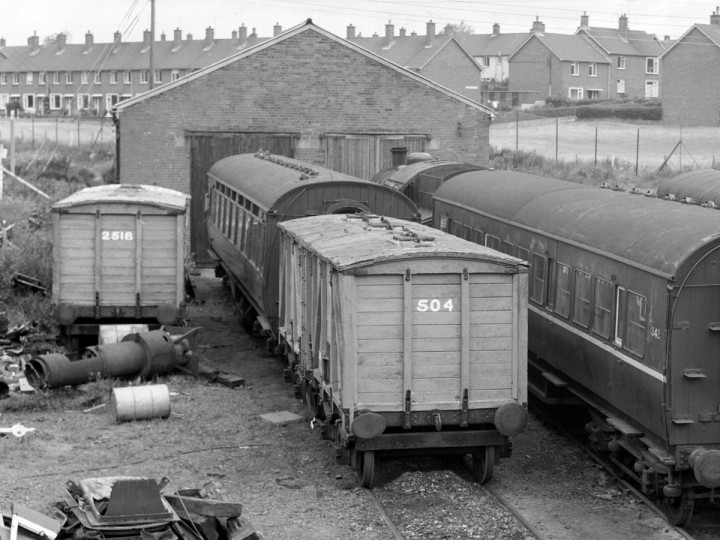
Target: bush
641,112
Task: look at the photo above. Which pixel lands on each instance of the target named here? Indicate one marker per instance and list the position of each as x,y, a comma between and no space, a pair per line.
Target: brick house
558,65
691,76
305,93
492,51
634,58
61,78
440,58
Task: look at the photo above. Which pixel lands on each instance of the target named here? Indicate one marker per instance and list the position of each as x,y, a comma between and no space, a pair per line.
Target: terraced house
58,77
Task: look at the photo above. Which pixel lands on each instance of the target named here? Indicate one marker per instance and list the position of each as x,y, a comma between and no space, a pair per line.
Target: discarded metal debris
18,430
143,354
28,282
140,402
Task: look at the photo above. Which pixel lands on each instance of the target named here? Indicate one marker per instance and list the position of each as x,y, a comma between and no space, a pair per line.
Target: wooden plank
492,357
491,330
436,331
482,371
408,345
436,345
380,359
437,385
491,344
138,253
386,318
491,317
438,317
492,277
493,383
491,304
466,336
437,291
436,279
488,290
378,280
369,373
98,251
379,346
372,305
374,384
180,258
380,291
380,332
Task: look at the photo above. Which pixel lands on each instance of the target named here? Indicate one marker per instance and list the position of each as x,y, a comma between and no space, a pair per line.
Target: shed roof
125,194
568,48
307,26
652,233
348,241
624,42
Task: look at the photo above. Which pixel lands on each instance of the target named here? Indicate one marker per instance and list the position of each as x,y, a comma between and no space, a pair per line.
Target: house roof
411,52
492,44
568,48
129,56
623,42
710,31
303,27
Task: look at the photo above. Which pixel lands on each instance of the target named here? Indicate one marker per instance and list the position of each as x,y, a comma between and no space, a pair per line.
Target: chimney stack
147,36
430,31
584,20
2,43
496,29
117,40
538,26
350,34
61,41
89,40
277,30
715,17
34,43
177,39
242,34
189,37
209,37
623,23
389,31
402,32
163,37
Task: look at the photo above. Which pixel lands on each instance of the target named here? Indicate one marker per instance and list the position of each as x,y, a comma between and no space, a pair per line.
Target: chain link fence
57,130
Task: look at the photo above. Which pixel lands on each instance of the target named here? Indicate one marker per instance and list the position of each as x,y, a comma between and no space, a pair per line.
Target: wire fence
646,145
76,131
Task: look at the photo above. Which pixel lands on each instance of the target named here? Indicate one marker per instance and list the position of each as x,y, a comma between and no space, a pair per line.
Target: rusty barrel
140,402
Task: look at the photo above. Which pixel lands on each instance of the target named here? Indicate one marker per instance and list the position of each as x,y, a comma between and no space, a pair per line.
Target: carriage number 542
434,305
117,235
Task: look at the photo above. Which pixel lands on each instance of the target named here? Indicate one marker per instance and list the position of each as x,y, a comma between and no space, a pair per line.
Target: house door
205,150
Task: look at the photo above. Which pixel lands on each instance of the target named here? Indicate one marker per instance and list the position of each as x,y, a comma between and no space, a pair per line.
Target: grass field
575,140
61,130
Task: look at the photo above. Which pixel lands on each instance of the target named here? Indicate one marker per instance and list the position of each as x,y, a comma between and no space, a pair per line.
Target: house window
575,93
42,78
56,77
98,77
3,78
16,78
174,74
575,69
189,71
111,100
113,77
83,102
486,61
144,76
563,281
593,94
652,89
652,66
621,86
84,77
583,294
68,77
621,62
127,77
592,70
55,102
158,76
602,321
29,77
28,101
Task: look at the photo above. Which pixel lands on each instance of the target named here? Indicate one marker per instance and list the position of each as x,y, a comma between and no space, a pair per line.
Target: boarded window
583,293
602,321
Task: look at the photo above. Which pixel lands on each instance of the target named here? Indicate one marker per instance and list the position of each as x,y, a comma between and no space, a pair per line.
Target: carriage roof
645,231
125,194
701,187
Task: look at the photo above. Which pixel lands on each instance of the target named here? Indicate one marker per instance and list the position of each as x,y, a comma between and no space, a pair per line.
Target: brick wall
306,84
456,70
689,82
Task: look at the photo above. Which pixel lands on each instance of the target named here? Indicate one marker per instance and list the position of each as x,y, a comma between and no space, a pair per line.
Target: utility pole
152,44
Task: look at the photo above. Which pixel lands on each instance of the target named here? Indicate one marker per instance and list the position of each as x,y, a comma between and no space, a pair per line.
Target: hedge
629,113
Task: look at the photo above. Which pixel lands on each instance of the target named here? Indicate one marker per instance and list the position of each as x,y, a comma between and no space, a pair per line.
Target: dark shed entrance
206,148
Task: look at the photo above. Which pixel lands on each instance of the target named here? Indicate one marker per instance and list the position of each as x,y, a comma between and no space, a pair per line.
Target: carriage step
623,427
554,379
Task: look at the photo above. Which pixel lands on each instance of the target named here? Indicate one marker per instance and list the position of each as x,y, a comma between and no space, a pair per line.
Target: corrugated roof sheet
354,241
624,42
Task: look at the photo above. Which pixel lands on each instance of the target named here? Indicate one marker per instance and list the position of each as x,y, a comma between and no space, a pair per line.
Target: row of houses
515,68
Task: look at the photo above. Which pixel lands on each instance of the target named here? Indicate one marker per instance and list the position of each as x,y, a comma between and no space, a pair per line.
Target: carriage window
523,254
478,237
636,323
583,292
563,280
537,294
224,215
602,320
243,233
492,242
507,248
467,232
619,315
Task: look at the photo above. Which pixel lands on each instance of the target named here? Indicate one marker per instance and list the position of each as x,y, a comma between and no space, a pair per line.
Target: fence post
12,142
596,133
32,119
557,130
78,127
57,120
637,152
517,128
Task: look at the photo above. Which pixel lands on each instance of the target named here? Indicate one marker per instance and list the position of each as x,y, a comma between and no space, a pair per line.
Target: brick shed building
306,94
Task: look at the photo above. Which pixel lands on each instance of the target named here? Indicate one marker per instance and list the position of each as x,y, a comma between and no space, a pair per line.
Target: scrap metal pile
132,507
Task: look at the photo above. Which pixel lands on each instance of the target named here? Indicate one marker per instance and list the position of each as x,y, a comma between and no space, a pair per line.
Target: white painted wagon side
419,327
119,253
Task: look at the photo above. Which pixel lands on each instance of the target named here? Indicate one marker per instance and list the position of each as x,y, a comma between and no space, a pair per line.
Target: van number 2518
118,235
434,305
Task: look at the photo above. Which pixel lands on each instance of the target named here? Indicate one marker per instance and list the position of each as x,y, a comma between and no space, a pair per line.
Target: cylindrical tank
140,402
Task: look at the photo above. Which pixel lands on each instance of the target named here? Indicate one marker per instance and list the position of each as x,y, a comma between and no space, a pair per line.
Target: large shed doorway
205,149
366,155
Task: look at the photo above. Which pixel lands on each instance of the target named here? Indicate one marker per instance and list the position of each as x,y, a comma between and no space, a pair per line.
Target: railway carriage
404,338
118,257
249,194
697,187
623,312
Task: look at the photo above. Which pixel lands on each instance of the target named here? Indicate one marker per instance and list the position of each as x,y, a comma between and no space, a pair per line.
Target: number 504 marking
434,305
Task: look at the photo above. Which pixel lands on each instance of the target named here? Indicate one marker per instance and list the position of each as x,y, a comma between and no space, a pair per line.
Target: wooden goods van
404,338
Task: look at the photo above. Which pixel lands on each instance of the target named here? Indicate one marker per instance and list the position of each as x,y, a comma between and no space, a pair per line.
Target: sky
103,17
